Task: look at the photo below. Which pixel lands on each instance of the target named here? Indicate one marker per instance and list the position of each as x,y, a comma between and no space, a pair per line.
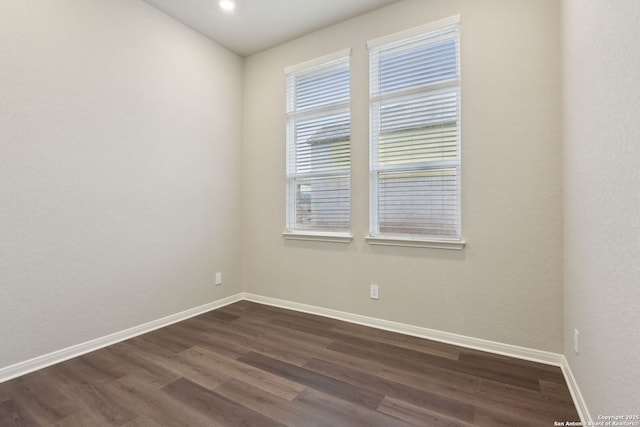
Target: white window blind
415,135
319,146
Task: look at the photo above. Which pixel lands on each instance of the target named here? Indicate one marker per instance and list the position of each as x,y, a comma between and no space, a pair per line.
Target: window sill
450,244
318,236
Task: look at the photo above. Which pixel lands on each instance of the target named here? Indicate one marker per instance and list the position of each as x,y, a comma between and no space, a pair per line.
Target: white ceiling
257,25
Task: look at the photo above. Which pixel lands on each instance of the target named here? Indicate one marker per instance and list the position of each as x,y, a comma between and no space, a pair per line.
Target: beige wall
506,284
602,201
119,146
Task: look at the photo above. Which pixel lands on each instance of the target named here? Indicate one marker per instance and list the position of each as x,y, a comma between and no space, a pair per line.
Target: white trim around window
319,149
415,155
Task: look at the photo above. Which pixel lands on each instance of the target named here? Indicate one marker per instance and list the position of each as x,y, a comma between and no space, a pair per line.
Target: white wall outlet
373,291
218,278
576,341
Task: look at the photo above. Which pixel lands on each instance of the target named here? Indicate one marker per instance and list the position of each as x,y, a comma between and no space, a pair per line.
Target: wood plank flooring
254,365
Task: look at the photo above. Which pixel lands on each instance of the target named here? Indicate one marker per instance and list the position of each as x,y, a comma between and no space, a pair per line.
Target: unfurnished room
319,213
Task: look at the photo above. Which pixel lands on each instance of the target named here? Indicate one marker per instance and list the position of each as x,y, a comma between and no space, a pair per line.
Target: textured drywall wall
120,134
601,110
506,284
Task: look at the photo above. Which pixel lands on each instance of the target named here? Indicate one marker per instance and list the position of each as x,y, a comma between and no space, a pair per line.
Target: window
319,147
415,134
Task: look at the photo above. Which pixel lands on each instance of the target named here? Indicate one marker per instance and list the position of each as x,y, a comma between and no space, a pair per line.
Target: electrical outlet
218,278
576,341
373,291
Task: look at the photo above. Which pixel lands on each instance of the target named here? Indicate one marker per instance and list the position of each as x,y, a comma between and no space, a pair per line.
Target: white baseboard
417,331
540,356
578,400
49,359
530,354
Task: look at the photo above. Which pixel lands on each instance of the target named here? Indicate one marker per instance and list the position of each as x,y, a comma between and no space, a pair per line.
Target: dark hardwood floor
253,365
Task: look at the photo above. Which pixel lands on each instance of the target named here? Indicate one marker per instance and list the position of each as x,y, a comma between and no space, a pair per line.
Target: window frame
376,237
292,231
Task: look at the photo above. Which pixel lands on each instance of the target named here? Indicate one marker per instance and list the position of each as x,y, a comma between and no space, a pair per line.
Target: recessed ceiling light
227,5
